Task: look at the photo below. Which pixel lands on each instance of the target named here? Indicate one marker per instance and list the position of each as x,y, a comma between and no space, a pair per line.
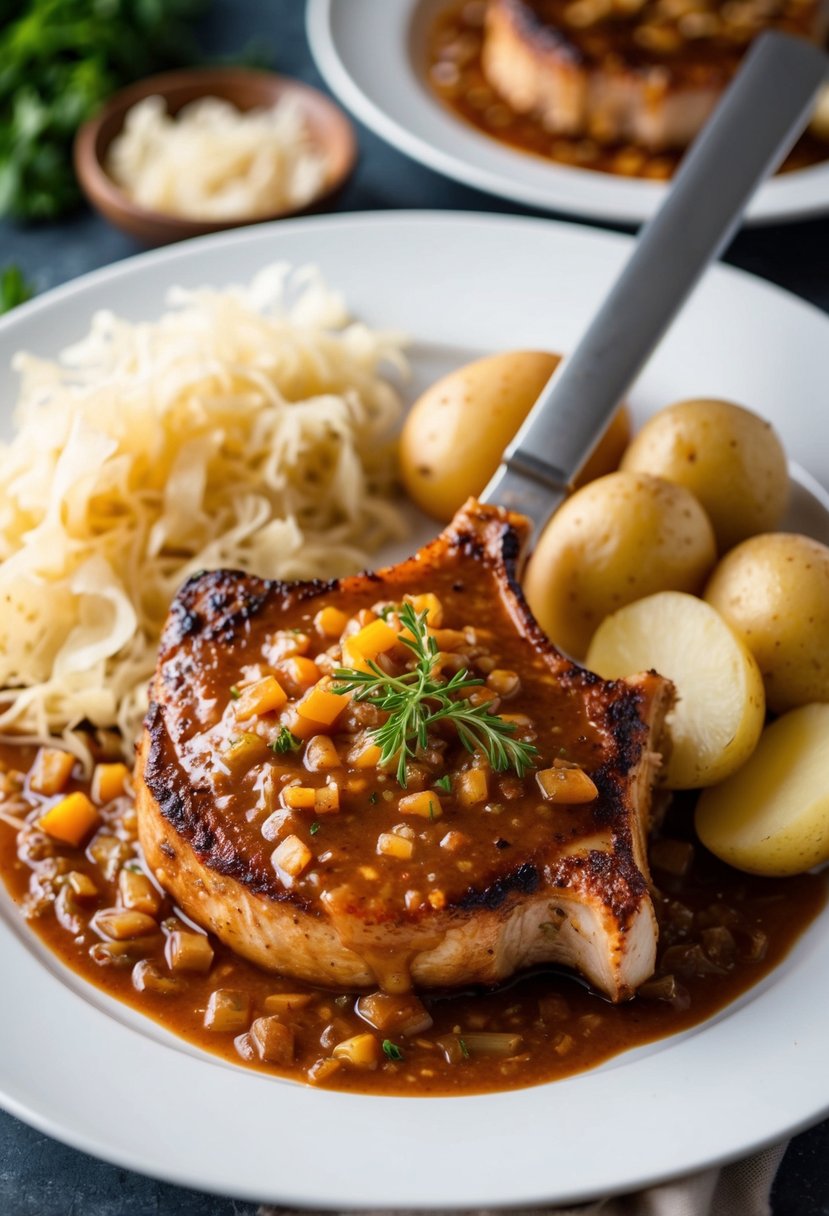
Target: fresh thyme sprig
418,699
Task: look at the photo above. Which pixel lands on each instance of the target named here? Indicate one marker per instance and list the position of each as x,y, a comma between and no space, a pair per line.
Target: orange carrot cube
265,696
426,804
330,622
70,820
300,674
322,706
299,797
430,604
51,770
109,781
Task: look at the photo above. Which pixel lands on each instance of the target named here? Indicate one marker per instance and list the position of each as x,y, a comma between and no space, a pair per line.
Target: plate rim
511,1100
770,205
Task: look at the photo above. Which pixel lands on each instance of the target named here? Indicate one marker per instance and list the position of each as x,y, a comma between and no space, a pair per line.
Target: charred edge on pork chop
217,609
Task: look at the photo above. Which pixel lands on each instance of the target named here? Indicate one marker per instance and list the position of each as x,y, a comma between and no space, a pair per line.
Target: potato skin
772,816
616,540
456,432
609,451
774,592
727,456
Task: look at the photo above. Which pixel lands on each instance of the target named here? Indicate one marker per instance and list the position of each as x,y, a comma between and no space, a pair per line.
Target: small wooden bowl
327,125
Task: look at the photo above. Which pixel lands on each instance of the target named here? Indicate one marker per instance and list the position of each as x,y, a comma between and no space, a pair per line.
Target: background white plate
372,54
97,1075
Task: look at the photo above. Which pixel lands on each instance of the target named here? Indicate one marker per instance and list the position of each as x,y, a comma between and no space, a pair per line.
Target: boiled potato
728,457
772,817
617,539
774,592
456,432
609,450
720,706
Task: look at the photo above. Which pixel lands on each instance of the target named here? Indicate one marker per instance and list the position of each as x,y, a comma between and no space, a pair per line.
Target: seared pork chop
647,72
266,816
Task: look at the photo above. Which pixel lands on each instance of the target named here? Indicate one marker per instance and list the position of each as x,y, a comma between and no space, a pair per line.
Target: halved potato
618,539
772,817
720,701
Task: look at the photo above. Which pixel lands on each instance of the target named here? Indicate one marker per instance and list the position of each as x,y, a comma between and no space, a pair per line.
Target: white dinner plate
372,55
99,1076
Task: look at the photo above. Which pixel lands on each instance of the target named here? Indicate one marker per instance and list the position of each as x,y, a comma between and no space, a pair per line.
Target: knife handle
760,116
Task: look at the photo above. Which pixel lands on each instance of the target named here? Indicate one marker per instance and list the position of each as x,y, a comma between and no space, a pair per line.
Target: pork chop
268,818
648,72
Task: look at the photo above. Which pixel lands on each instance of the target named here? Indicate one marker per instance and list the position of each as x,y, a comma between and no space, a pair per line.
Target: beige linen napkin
741,1189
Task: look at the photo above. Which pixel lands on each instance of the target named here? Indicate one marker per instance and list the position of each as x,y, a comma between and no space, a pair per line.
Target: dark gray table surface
38,1176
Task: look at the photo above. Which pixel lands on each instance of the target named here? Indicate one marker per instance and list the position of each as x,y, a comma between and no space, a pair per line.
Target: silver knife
760,116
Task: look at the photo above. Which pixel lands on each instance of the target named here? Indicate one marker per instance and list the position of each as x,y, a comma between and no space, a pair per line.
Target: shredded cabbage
215,162
248,427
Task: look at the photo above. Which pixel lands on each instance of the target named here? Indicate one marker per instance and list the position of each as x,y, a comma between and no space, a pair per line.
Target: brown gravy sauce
721,932
455,75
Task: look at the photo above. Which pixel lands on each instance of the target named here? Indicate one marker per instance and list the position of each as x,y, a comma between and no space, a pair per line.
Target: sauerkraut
248,427
214,162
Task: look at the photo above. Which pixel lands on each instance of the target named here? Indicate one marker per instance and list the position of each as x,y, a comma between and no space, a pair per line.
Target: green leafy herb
235,692
464,1048
14,288
373,798
444,783
391,1051
59,61
419,699
285,741
314,828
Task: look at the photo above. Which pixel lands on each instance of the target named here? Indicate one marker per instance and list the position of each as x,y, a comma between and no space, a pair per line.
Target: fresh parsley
419,699
235,692
444,783
314,828
285,741
391,1051
59,61
464,1048
14,289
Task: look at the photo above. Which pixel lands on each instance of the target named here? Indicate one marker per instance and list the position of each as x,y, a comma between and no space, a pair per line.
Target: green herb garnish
444,783
14,289
464,1048
373,798
314,828
419,699
285,741
235,692
60,60
391,1051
